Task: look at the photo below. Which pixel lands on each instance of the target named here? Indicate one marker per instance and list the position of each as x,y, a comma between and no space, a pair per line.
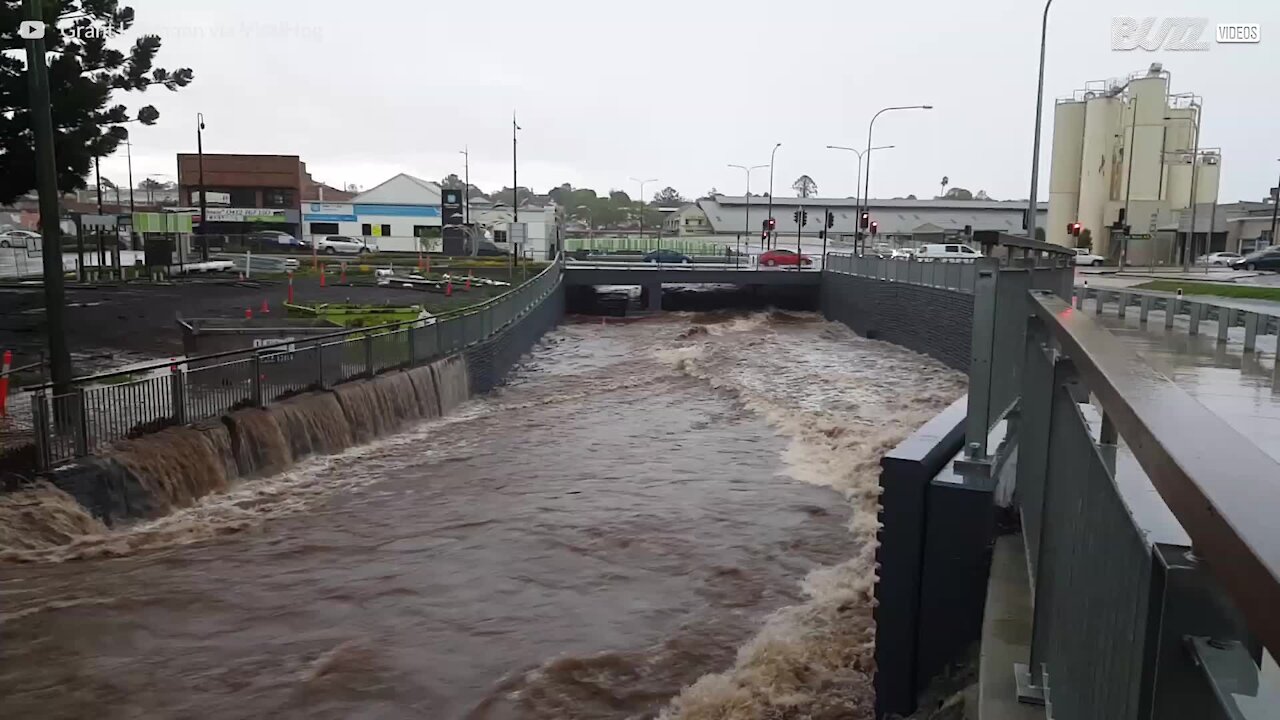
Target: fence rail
101,409
1128,621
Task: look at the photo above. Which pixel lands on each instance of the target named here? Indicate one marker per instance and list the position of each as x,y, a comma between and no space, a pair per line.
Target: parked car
341,244
903,254
486,248
772,258
1085,256
947,252
19,239
1218,258
1264,259
277,237
667,257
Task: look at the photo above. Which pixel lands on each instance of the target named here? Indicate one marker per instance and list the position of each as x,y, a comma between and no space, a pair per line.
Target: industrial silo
1179,139
1097,163
1064,170
1210,173
1178,179
1147,96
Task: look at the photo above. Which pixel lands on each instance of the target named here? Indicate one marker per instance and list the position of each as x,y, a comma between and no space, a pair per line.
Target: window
426,231
241,197
952,248
324,228
277,197
499,236
366,229
966,249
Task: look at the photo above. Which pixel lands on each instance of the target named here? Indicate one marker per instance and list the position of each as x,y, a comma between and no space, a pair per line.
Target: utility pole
515,182
204,193
50,228
769,244
1128,187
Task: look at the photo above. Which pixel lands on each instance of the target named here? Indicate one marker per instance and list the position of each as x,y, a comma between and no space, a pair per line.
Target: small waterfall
154,474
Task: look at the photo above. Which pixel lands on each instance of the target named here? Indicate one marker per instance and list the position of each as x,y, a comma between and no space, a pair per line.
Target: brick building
245,192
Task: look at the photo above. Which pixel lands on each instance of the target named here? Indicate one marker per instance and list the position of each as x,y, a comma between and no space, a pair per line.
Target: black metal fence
100,409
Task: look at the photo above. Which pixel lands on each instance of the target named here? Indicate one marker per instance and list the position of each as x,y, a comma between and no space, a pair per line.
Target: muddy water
669,517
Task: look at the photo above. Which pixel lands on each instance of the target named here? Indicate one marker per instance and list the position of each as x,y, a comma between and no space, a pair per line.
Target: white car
19,238
341,244
1218,258
903,254
1085,256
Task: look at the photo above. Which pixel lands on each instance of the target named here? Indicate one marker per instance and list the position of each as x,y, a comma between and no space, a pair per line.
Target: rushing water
668,517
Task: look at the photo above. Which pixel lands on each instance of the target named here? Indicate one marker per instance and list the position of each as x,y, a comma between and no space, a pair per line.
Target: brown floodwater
671,516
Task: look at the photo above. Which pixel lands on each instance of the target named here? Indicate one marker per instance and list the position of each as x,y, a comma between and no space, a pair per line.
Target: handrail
1220,486
389,327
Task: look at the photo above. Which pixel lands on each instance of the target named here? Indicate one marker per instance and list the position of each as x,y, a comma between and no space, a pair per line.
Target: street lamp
1035,146
857,183
466,185
771,156
642,184
204,206
866,193
746,224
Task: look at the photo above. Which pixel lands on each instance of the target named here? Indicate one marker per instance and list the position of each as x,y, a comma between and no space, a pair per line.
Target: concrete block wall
489,362
931,321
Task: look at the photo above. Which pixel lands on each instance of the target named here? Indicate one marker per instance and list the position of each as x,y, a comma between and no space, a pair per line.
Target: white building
686,220
399,215
1129,143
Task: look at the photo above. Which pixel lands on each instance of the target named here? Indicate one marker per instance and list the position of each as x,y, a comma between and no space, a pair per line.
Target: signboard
247,215
376,230
213,197
454,233
329,212
517,233
162,222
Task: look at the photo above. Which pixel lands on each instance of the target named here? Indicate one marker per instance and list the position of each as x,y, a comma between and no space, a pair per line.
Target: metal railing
958,274
101,409
1224,313
1146,604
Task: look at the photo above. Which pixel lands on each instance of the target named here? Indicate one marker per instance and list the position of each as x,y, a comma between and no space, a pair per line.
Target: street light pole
746,223
466,185
204,193
1275,210
866,193
1035,145
642,184
515,181
771,156
857,183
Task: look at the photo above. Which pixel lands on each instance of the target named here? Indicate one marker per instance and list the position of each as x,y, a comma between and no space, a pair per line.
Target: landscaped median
1226,290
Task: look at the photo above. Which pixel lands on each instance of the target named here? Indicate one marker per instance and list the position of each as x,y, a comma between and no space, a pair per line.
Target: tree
668,196
958,193
619,196
982,195
452,182
912,197
150,186
85,74
805,186
1085,238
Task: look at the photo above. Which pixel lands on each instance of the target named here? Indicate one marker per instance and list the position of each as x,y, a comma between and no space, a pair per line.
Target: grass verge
1251,292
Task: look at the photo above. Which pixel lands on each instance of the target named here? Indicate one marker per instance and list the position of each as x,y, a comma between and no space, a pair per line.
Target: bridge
652,276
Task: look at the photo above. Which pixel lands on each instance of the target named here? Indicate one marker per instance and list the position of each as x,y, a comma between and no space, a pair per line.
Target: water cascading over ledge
152,475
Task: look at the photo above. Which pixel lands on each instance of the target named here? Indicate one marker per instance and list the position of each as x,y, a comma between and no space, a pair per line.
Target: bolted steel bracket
1029,693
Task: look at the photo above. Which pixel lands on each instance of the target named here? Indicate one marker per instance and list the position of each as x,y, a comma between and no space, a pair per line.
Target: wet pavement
1241,388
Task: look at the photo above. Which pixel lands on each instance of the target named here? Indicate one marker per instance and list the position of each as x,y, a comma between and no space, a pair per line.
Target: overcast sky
676,89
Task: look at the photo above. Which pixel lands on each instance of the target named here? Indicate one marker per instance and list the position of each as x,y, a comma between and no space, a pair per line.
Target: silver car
341,245
19,239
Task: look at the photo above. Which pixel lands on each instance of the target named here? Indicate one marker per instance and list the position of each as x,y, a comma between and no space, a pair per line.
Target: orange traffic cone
468,279
248,313
448,288
428,264
342,278
265,309
323,269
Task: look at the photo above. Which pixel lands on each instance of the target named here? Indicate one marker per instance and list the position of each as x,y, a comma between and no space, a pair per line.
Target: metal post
1251,331
368,355
204,206
47,185
515,178
981,363
178,398
256,384
1275,211
1035,147
320,381
82,423
40,418
769,240
1189,247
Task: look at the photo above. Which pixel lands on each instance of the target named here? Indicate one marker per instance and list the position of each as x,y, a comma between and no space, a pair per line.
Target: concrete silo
1178,179
1102,118
1143,164
1209,174
1064,170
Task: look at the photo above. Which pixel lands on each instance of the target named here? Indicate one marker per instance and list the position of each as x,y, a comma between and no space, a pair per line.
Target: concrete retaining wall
490,361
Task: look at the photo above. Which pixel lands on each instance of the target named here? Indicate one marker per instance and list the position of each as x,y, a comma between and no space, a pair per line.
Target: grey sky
675,89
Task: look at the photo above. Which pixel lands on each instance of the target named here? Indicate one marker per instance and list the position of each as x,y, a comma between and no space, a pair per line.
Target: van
947,252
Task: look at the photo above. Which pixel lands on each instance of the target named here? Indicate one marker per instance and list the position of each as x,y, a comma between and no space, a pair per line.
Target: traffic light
771,224
1073,229
864,220
875,228
831,220
804,218
822,234
796,216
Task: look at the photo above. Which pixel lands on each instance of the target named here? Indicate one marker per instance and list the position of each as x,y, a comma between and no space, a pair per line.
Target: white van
947,252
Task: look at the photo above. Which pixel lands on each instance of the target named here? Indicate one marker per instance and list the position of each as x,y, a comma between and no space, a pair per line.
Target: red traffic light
772,223
864,219
875,228
1073,229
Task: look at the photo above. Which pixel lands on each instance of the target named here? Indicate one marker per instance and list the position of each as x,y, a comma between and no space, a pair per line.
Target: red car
773,258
